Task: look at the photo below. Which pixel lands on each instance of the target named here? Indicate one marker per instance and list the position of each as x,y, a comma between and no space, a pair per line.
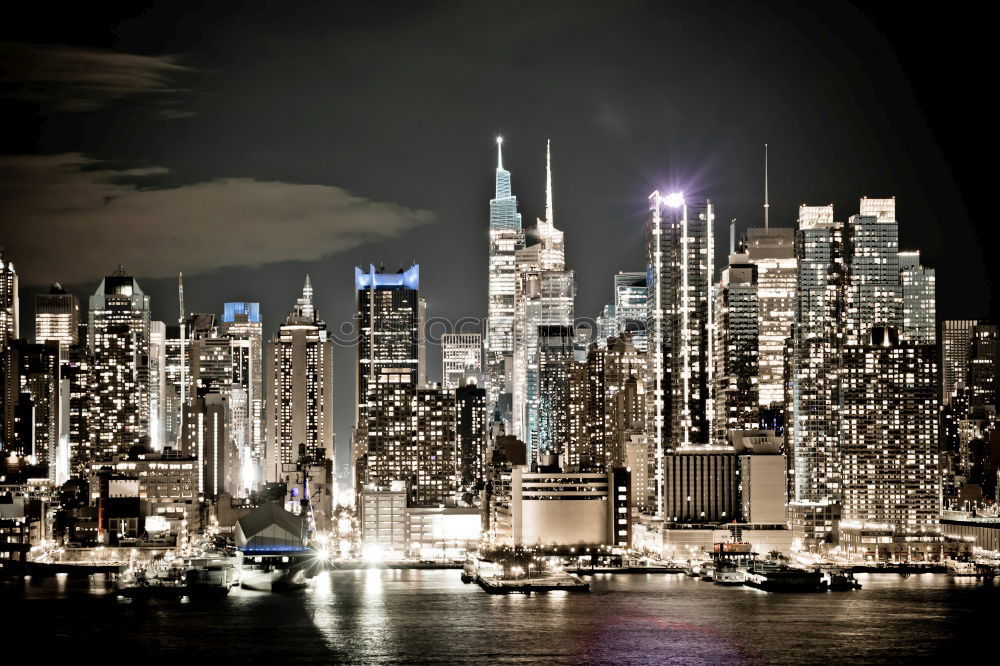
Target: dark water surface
406,617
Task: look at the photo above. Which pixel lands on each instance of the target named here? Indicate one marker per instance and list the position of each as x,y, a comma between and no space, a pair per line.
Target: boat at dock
566,582
728,574
839,579
773,577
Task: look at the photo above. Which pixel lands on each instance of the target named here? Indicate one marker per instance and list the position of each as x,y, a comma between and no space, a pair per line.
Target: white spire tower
304,306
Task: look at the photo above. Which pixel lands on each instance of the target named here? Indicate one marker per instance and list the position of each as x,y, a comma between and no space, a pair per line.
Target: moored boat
773,577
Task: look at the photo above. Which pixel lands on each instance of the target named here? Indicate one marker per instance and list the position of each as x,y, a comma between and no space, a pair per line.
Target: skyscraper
874,291
984,364
506,238
388,317
956,341
9,308
57,317
436,474
772,251
241,324
461,354
815,380
737,340
555,354
890,434
919,301
299,389
544,296
630,310
33,423
157,384
470,427
119,341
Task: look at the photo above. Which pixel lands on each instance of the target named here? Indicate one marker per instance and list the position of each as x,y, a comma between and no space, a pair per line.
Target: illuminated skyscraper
956,341
679,252
33,400
544,296
984,363
919,303
607,404
118,333
772,251
57,317
555,354
241,324
461,354
890,434
388,316
411,438
630,311
818,338
9,308
506,238
737,335
157,384
679,268
299,389
874,292
470,426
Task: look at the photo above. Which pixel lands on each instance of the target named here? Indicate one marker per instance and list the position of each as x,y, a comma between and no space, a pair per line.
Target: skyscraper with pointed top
299,389
506,238
544,296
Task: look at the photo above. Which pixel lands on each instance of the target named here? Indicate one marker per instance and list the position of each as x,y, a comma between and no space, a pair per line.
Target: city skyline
612,142
326,328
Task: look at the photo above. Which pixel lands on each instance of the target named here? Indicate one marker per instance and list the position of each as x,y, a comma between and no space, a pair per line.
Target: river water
407,617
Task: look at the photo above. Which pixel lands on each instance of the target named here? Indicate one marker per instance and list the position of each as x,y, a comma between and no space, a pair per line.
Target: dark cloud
72,78
61,203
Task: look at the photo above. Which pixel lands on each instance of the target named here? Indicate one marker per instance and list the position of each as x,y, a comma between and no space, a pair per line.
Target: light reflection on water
393,616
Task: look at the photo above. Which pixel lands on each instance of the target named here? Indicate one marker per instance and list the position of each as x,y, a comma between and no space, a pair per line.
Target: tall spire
766,204
180,298
304,305
548,181
499,153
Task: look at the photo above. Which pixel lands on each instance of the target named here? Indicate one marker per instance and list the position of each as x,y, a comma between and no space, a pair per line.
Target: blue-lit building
388,322
243,312
242,325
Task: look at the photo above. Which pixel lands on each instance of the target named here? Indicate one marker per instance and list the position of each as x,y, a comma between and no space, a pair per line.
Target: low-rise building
556,508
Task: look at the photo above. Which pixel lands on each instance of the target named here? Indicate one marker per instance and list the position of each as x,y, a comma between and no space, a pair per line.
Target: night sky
249,144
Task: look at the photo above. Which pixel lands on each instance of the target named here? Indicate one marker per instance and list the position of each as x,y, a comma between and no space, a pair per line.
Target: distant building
736,377
168,481
241,323
34,398
890,430
983,368
118,332
630,310
299,388
9,304
57,317
919,300
461,354
956,343
470,426
506,239
389,318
